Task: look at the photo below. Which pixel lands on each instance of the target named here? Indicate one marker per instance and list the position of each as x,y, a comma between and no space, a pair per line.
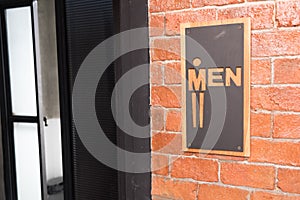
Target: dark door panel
82,25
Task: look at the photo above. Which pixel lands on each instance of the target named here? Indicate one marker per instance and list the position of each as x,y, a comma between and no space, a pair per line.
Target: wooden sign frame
246,85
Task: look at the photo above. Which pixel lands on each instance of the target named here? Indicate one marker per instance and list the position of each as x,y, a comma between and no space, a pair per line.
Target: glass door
30,105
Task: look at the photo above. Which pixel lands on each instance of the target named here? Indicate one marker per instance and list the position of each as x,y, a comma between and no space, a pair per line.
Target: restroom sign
215,61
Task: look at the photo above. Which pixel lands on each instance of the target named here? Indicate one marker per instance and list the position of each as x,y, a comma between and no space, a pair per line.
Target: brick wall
273,169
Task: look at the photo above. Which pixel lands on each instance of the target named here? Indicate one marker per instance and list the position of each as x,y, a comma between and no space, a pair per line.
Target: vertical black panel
88,23
133,14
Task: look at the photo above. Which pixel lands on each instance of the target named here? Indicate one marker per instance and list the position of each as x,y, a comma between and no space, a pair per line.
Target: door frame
7,117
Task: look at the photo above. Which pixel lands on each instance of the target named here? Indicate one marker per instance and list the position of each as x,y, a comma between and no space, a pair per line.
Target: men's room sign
216,89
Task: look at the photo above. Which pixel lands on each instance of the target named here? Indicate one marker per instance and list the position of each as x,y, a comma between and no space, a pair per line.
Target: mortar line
272,71
276,85
276,178
275,14
276,112
272,124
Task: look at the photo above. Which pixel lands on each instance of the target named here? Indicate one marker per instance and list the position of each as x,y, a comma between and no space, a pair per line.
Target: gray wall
47,31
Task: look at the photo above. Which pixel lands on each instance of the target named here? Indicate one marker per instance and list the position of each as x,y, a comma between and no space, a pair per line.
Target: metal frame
39,102
65,99
6,110
7,117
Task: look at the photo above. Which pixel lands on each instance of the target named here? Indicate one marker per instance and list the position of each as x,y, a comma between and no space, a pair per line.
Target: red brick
248,175
287,70
271,196
173,73
261,71
197,3
287,126
288,13
260,124
157,117
156,73
276,98
214,156
286,153
165,97
177,90
165,49
156,25
195,168
173,122
289,180
214,192
167,5
274,43
261,14
167,143
179,190
173,20
201,3
160,165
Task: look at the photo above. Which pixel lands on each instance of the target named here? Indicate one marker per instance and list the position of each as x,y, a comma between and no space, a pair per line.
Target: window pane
21,60
27,161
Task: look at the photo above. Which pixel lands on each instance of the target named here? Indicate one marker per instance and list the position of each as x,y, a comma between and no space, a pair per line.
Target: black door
81,26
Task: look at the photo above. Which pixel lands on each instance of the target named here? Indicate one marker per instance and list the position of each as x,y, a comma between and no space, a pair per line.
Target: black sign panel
216,106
